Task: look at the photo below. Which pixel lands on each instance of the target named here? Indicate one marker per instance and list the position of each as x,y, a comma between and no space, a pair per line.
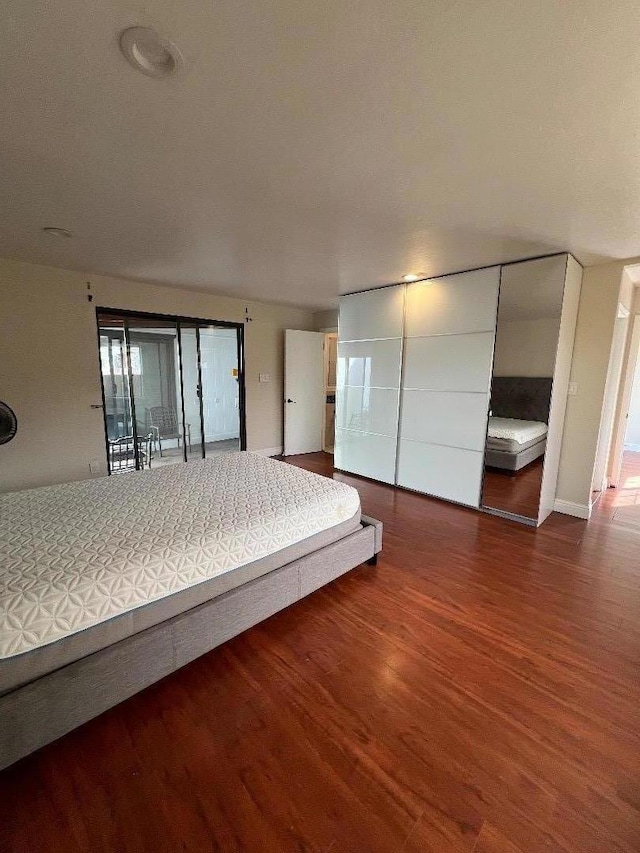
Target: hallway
621,506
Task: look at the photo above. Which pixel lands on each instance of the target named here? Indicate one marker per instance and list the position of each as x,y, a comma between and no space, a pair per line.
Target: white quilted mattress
516,430
75,555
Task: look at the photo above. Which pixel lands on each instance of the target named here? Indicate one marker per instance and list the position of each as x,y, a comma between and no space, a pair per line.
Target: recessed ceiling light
57,232
413,276
150,53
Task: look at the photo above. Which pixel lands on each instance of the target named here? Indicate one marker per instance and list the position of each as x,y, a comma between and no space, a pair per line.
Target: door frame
605,461
328,389
622,413
178,319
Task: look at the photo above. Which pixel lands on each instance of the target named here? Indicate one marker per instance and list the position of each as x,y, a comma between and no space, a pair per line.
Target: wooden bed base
49,707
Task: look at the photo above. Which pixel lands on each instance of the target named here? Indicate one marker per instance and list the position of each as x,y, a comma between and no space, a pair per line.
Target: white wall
50,375
560,389
526,347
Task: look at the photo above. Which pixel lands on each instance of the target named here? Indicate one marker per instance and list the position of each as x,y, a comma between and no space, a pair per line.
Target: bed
108,585
517,429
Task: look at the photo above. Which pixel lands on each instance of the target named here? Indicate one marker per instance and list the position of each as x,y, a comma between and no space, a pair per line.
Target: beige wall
526,347
323,320
601,291
49,372
49,367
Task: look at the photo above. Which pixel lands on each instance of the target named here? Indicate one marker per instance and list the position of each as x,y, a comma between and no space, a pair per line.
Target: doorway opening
173,388
603,472
627,499
330,369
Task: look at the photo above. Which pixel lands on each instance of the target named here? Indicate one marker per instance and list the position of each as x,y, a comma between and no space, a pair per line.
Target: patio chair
163,421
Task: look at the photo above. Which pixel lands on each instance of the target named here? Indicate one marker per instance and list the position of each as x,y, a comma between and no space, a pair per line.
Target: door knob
289,400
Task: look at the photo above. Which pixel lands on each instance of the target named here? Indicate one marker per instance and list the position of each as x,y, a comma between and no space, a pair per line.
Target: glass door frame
194,322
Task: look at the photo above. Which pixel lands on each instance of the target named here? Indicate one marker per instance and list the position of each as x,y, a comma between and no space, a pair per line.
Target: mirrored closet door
528,332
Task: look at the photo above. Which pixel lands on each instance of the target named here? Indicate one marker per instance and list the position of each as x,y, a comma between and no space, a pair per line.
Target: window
114,364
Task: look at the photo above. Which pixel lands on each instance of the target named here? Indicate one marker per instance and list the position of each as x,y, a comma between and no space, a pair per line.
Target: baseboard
270,451
570,508
604,485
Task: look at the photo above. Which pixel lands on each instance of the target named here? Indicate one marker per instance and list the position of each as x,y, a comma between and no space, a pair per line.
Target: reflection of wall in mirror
526,347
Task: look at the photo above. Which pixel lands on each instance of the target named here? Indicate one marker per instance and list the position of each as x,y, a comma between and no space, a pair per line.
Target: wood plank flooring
479,690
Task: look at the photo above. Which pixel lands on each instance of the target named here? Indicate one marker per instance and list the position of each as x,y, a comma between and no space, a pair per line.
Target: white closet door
449,362
369,455
449,339
453,304
440,417
371,410
372,363
374,315
445,472
370,330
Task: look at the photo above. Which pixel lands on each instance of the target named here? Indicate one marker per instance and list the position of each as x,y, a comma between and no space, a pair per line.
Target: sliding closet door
449,339
368,382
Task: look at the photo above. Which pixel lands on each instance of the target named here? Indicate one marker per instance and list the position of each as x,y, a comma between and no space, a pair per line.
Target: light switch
573,389
265,377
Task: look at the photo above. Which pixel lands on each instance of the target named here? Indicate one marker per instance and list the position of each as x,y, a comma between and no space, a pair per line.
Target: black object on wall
8,423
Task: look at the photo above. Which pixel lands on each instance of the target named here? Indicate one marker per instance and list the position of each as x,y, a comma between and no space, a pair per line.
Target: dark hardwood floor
479,690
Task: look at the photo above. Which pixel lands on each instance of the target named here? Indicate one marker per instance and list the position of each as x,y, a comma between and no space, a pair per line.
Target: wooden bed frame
49,707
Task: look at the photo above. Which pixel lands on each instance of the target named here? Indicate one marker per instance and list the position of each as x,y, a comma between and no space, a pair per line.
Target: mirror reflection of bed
527,334
516,441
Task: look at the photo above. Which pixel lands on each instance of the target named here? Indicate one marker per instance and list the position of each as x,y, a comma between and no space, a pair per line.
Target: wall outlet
265,377
97,466
573,389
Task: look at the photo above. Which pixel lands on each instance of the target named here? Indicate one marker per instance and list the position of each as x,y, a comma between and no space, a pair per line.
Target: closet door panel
438,417
365,454
374,364
445,472
373,410
449,362
370,330
454,304
372,315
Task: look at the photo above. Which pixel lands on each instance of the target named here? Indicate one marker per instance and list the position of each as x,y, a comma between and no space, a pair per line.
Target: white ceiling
311,148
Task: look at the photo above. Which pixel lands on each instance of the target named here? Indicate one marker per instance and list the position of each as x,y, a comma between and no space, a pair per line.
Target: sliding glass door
173,389
220,382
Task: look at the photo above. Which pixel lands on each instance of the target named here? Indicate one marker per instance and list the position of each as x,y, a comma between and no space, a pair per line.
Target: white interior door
303,391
